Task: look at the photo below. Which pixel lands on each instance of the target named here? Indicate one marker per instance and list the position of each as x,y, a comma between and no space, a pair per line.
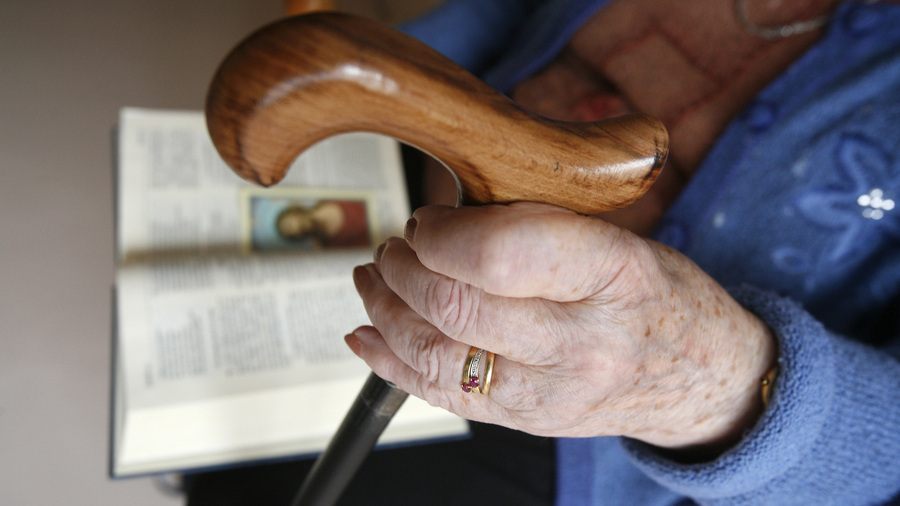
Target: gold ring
477,371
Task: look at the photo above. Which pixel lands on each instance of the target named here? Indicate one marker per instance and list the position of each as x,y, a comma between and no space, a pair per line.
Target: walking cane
302,79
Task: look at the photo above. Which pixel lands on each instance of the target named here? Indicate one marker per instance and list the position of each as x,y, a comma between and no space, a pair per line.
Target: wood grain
302,79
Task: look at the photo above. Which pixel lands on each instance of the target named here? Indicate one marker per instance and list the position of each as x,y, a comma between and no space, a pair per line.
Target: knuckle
424,356
549,407
452,306
383,308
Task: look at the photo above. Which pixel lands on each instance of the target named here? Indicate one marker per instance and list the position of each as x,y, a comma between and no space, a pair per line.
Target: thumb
521,250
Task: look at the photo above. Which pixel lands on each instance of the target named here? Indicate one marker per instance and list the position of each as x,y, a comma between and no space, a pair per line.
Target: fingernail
379,251
366,333
409,233
360,276
355,345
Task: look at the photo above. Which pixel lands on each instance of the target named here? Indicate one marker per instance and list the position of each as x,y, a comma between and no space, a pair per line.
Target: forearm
470,32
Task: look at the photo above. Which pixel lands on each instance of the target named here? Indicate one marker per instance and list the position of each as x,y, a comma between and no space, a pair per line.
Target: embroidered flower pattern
857,207
874,204
860,204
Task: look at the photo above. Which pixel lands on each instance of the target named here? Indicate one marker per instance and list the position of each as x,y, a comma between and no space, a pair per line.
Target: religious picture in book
304,219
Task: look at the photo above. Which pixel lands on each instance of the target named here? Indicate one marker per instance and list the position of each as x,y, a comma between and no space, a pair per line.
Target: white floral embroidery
874,204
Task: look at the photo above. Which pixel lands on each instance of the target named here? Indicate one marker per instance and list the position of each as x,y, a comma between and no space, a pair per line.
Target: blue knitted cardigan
797,210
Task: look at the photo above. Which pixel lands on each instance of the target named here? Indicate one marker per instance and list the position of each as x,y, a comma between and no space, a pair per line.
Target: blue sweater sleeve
470,32
503,41
830,435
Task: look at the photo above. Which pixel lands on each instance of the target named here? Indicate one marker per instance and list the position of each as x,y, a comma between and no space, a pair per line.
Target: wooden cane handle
302,79
297,7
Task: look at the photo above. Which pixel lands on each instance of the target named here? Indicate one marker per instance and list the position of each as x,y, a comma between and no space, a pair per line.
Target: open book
232,300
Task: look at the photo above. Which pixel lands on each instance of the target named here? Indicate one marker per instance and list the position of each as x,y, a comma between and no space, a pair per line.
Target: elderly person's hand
596,331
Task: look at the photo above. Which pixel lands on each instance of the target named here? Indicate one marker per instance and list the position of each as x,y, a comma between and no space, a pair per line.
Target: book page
236,359
225,287
233,300
178,196
228,284
226,325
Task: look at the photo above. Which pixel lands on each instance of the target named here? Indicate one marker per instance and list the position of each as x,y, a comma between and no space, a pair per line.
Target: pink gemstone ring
477,371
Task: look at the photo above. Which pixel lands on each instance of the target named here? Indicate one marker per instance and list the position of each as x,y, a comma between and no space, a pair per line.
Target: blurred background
67,69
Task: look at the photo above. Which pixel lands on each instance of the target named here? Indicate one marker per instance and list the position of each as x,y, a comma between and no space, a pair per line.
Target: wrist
742,402
724,353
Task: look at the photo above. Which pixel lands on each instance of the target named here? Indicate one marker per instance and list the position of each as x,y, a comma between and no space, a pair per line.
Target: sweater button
761,116
862,20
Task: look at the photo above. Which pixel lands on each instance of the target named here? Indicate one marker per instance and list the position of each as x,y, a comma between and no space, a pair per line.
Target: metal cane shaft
373,408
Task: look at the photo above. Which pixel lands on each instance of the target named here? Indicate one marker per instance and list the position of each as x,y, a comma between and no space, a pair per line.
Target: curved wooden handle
302,79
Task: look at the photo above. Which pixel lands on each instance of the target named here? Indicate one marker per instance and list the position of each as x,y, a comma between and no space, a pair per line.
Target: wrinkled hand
597,331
